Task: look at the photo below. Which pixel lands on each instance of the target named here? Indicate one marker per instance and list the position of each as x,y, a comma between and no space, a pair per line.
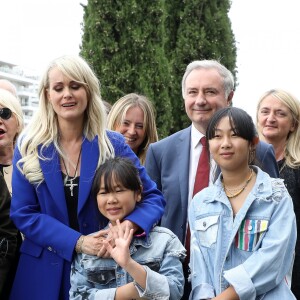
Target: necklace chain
229,192
68,182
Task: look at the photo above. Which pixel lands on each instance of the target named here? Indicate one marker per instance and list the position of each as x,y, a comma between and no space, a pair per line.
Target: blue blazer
40,213
167,163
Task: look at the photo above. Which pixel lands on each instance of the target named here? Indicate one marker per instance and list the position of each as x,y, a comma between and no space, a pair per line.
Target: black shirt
71,188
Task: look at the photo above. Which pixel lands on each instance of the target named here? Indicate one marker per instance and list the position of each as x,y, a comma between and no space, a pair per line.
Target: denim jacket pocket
250,233
207,229
100,276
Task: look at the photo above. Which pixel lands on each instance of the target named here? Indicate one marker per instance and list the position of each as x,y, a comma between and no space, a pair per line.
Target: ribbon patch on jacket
250,233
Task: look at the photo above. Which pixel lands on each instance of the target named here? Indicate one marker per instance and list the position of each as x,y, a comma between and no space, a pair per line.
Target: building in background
27,87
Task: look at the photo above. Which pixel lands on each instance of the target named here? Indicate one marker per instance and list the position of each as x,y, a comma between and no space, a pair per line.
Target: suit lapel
183,154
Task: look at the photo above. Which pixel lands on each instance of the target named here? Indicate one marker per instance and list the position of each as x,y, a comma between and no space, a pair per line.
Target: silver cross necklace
68,182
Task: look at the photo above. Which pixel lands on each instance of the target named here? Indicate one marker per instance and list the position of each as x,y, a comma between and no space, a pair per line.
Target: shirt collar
196,135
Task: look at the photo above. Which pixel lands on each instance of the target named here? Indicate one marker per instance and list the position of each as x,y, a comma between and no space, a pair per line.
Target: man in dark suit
172,162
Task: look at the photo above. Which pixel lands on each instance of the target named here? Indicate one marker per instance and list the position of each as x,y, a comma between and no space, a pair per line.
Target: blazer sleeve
266,157
152,166
149,211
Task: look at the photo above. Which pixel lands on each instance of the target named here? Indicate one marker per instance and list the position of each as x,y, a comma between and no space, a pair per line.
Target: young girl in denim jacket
140,266
243,227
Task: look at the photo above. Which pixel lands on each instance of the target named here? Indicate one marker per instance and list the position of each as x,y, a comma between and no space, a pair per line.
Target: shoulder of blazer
181,135
263,147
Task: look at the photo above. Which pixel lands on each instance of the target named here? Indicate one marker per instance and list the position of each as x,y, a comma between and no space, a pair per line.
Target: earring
251,156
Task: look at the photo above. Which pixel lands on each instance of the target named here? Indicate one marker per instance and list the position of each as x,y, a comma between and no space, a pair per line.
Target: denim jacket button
204,224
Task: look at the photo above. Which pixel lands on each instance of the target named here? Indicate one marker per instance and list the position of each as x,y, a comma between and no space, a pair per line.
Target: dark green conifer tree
145,46
204,32
124,41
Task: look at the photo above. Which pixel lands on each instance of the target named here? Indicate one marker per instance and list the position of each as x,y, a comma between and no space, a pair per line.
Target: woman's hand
92,244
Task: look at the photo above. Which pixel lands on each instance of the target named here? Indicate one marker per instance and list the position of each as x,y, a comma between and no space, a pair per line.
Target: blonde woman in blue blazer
54,165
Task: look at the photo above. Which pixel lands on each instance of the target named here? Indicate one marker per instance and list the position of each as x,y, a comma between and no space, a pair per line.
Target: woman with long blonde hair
134,117
278,117
54,166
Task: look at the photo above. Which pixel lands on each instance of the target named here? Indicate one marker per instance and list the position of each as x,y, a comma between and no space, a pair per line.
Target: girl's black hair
241,123
118,169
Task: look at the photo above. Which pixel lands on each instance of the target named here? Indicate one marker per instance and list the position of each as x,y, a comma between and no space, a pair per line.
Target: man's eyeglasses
5,113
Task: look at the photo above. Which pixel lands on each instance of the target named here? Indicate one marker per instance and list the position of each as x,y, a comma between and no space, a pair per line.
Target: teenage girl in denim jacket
243,227
140,266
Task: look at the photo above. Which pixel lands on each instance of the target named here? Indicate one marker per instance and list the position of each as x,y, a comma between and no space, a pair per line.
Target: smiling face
68,97
275,120
229,151
132,128
204,94
118,203
8,130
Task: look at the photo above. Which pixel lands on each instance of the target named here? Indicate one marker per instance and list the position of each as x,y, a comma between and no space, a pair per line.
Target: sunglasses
5,113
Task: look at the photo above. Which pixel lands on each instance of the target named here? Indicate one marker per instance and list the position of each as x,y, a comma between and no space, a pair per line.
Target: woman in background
278,116
11,124
134,117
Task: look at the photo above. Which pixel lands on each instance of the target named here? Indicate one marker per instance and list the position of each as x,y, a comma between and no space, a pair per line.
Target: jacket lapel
53,178
89,161
183,154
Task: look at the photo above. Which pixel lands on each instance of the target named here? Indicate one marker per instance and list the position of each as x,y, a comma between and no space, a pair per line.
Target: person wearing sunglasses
11,124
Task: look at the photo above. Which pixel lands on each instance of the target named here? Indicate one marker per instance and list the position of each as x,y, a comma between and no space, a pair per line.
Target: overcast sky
268,41
33,32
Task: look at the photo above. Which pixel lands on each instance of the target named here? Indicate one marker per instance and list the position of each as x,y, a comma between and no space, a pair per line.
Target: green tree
145,46
204,32
124,41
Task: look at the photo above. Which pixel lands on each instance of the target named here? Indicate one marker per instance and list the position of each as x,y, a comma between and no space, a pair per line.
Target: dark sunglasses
5,113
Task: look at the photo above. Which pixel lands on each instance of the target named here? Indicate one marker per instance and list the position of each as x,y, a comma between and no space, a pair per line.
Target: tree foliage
145,46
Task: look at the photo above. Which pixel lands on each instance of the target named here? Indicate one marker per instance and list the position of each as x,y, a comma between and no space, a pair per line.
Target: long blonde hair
118,112
292,150
43,129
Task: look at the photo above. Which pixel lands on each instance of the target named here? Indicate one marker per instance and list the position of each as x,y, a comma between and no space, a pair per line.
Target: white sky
268,41
33,32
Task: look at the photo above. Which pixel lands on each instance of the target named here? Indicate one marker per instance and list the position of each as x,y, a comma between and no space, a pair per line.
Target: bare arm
228,294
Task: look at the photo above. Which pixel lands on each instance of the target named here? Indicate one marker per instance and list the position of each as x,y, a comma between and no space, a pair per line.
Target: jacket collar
262,188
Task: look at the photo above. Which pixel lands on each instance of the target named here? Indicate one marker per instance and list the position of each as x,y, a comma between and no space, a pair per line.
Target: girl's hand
119,250
126,225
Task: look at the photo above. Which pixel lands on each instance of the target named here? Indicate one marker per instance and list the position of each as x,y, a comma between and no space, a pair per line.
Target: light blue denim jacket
161,254
253,252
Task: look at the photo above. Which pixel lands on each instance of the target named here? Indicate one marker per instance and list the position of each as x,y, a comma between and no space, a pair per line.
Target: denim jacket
253,251
161,254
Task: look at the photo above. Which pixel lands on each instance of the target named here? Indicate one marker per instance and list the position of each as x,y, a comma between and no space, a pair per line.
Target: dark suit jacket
167,163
